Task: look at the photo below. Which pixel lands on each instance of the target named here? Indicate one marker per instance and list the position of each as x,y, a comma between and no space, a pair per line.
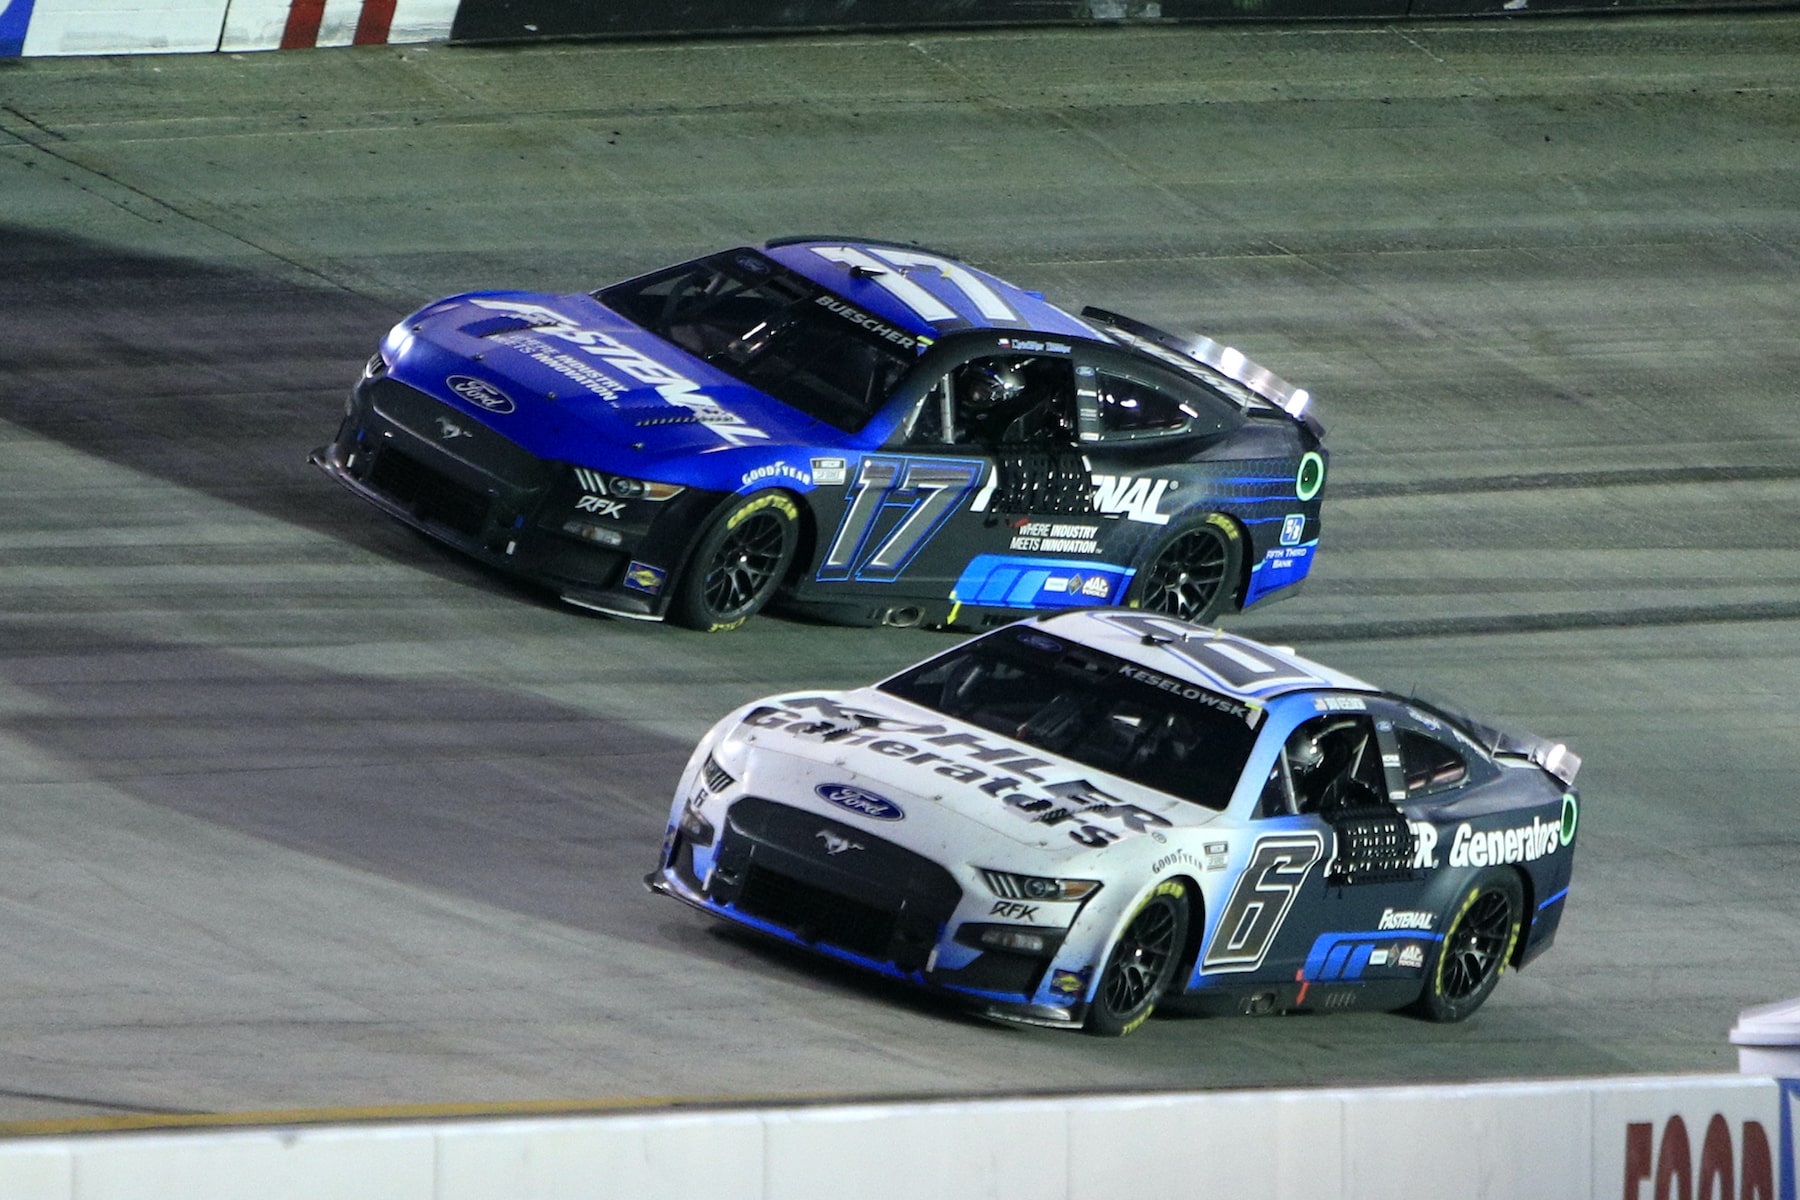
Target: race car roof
1198,654
921,291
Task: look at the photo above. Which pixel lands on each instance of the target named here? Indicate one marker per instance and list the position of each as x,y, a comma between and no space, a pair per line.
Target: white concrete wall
123,26
1642,1139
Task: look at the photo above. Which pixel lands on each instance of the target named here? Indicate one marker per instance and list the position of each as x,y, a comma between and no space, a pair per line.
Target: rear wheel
1477,944
1194,573
1142,963
739,563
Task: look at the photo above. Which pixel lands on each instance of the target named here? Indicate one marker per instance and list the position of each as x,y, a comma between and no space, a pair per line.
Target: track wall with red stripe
53,27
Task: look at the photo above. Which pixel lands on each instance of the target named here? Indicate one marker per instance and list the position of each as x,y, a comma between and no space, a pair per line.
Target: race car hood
569,379
928,777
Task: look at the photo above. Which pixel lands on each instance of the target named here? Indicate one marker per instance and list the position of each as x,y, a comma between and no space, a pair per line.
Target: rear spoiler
1218,360
1554,757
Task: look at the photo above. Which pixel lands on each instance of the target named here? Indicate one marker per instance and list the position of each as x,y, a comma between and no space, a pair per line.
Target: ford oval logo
480,393
863,804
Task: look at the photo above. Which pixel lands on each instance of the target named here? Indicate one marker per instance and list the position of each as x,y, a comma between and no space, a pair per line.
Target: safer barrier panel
513,20
1424,9
1681,1138
116,26
1525,8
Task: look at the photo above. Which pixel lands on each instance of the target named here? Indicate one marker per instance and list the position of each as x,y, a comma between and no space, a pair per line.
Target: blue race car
869,432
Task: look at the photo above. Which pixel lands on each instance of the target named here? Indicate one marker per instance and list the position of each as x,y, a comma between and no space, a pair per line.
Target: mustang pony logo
836,844
449,430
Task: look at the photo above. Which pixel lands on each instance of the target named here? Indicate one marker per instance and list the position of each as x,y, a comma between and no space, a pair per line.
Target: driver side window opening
1001,400
1330,763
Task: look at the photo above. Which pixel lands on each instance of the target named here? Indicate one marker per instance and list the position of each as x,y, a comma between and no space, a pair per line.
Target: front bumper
448,475
849,895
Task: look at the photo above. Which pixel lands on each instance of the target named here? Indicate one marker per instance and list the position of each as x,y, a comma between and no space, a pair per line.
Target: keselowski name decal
1197,695
1031,788
670,384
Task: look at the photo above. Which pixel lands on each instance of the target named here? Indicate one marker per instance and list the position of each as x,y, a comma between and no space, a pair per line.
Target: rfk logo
601,505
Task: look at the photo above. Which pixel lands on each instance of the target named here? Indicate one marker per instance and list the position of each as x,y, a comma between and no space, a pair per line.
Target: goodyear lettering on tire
776,500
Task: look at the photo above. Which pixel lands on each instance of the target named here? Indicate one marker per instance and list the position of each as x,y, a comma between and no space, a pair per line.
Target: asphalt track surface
297,810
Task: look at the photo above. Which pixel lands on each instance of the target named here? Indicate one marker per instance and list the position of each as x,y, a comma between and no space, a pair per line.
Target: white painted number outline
887,267
929,488
1237,665
1260,902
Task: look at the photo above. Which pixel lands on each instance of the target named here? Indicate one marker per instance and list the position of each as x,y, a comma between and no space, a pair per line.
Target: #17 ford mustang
1066,819
875,433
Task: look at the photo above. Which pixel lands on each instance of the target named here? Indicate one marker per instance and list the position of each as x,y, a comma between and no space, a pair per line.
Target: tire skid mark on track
1571,480
149,1110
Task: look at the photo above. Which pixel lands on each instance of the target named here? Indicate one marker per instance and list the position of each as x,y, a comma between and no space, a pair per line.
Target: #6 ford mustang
1066,819
877,433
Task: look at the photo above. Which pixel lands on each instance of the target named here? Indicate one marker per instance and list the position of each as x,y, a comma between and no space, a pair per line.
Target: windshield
1101,711
775,330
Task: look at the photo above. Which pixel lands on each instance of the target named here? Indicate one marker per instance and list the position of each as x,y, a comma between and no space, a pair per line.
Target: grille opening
430,494
817,915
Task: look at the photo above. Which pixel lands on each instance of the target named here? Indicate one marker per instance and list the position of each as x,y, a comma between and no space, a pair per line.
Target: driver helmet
989,385
1305,755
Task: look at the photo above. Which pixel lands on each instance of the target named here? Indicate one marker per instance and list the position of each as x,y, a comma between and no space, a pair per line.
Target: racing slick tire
1478,943
740,562
1142,962
1194,574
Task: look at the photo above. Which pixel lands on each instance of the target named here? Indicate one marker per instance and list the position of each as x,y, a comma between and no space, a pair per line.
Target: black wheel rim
1141,959
1473,954
1187,576
745,566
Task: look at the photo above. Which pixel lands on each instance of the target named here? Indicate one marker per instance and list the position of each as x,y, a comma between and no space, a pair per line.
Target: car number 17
928,488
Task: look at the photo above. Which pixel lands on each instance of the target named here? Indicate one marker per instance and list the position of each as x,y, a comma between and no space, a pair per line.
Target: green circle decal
1570,815
1311,476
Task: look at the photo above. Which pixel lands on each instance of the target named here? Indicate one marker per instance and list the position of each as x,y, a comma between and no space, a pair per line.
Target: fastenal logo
864,804
480,393
1396,918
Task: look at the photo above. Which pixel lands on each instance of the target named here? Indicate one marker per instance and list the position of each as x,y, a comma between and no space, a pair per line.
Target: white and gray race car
1068,819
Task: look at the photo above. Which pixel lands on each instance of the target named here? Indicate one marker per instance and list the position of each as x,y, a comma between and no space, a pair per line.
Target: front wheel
740,561
1478,942
1194,574
1142,963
